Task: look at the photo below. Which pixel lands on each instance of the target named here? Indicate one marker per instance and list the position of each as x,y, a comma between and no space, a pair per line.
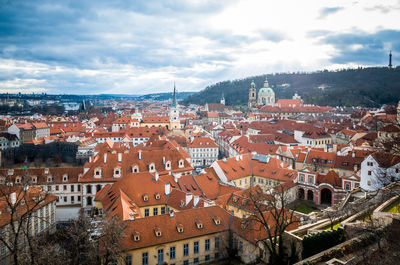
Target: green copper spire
174,99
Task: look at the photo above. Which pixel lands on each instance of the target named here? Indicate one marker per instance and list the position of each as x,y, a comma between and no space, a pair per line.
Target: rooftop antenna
390,60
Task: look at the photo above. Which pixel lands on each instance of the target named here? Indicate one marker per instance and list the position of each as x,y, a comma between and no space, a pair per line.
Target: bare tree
22,211
272,216
112,235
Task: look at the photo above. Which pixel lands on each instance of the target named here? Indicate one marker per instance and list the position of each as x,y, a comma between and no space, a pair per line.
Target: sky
141,47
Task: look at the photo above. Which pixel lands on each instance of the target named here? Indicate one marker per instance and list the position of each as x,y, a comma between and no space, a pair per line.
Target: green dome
254,84
266,88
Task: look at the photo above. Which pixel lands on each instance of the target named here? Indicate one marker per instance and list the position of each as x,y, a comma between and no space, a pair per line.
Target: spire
174,97
390,60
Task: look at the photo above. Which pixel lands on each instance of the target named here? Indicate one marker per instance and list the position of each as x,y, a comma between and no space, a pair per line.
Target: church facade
266,96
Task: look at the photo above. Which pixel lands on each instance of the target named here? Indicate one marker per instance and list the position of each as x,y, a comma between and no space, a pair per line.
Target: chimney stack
167,188
13,198
119,157
105,158
140,154
156,176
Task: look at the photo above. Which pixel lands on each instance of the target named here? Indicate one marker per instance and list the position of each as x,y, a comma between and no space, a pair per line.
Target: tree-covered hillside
350,87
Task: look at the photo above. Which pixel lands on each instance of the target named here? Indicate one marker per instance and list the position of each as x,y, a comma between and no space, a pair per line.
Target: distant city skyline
114,47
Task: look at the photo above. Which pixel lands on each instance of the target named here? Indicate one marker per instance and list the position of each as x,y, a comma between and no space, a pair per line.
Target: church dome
266,89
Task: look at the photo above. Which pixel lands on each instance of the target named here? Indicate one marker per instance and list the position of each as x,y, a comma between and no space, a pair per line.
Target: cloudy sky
138,47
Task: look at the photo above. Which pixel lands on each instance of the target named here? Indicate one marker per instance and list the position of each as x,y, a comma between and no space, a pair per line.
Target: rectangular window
146,212
65,198
369,173
195,260
79,187
163,210
185,250
79,198
160,256
145,258
185,262
56,187
72,199
207,258
155,211
207,245
72,190
217,243
217,255
172,253
65,187
310,179
196,247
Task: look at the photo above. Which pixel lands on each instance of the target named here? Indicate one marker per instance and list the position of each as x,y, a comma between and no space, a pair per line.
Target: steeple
390,60
222,101
174,98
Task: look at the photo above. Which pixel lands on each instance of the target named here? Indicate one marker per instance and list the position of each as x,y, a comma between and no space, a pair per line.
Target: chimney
13,198
189,197
196,200
140,154
119,157
156,176
90,159
167,188
353,154
163,160
237,158
131,217
105,158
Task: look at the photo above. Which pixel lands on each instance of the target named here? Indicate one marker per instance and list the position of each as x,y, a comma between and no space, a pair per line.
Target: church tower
222,101
252,95
174,113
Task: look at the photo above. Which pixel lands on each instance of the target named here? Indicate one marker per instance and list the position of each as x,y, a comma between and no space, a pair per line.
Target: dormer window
179,228
11,172
183,203
46,171
145,197
235,199
180,163
136,236
152,167
199,224
34,179
49,179
97,173
65,178
168,165
135,169
217,220
157,196
117,172
18,179
157,231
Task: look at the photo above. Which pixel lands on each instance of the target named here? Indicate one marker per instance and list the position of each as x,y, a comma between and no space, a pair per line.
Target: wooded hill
368,87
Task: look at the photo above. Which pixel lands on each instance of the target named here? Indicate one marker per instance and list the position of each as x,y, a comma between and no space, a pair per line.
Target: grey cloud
329,11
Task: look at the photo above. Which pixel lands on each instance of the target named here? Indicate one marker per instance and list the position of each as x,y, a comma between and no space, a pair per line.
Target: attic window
49,179
157,231
235,199
135,169
168,165
157,196
179,228
145,197
217,220
151,167
18,180
182,203
180,163
345,164
136,236
65,178
34,179
46,171
199,224
11,172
